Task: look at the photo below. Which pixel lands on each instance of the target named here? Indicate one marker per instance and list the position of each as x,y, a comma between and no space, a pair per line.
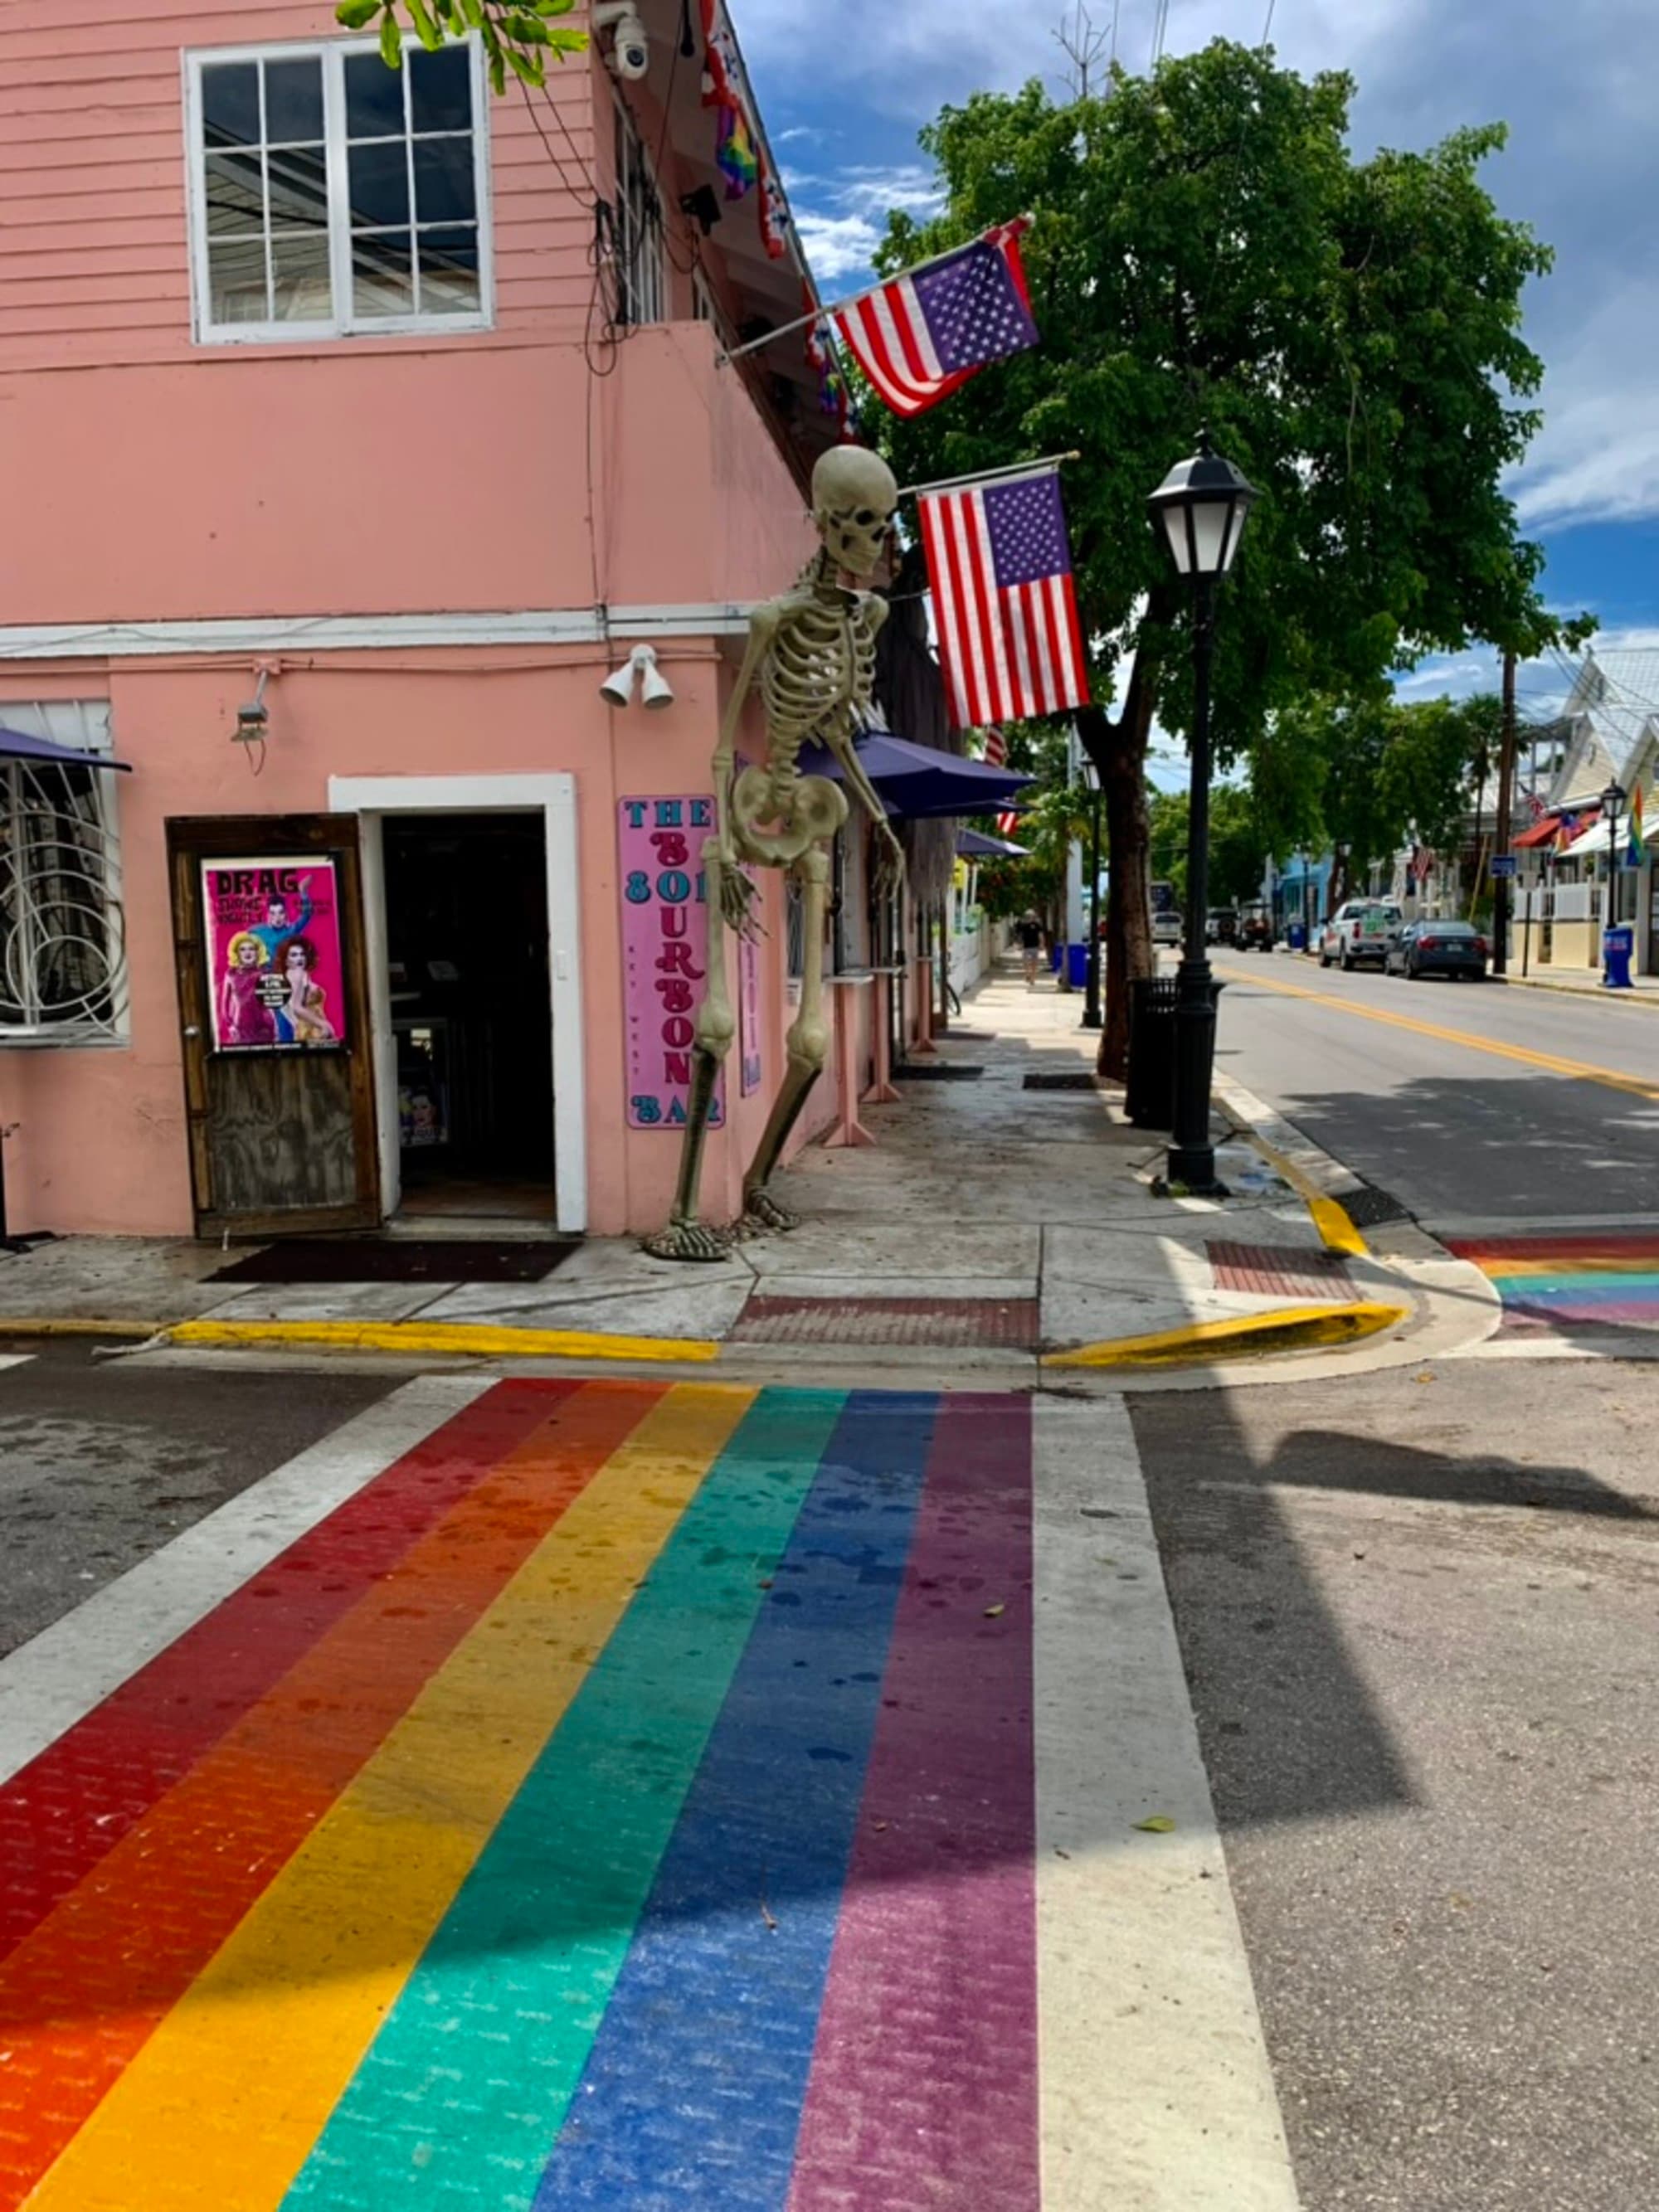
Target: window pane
444,186
374,97
230,104
449,271
301,289
235,192
299,188
380,183
382,281
441,90
294,101
236,280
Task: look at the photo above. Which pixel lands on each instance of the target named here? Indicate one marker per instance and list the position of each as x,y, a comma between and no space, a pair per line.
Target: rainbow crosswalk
1581,1280
625,1797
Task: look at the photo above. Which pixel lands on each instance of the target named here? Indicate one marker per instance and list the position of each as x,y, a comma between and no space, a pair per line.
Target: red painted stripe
869,343
1580,1246
903,306
932,538
1077,660
81,1996
64,1811
924,2081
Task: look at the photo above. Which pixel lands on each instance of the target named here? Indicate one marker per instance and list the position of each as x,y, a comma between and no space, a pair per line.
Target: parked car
1166,927
1360,930
1221,926
1436,948
1256,929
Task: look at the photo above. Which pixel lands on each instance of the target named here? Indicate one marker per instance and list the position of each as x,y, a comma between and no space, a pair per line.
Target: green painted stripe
463,2092
1636,1283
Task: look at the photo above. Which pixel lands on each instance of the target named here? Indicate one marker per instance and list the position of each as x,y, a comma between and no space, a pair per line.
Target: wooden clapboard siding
96,268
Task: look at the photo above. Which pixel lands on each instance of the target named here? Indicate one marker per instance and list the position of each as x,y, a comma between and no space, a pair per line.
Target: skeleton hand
737,896
888,861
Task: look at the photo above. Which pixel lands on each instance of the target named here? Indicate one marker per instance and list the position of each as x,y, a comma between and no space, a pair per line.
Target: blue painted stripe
461,2095
693,2093
1581,1290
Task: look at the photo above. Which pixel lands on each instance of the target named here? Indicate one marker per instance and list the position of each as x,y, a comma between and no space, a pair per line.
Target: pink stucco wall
482,473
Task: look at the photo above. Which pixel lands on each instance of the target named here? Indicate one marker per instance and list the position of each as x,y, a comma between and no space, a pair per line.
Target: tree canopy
1207,253
518,35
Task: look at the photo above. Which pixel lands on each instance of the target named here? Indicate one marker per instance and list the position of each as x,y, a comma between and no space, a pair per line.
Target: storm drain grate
1368,1207
1077,1079
1009,1321
937,1071
1277,1271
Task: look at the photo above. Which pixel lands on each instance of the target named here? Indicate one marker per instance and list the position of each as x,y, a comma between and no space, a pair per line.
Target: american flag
923,335
1004,600
996,756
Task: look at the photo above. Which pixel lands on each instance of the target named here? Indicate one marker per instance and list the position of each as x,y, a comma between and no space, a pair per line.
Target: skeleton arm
763,627
890,867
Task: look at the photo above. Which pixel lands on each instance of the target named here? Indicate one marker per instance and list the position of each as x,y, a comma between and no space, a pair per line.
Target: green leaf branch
518,35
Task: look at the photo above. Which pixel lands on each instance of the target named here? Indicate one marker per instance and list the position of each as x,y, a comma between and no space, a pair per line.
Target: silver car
1360,930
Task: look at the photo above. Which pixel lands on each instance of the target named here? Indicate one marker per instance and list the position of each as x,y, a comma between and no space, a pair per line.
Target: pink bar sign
664,953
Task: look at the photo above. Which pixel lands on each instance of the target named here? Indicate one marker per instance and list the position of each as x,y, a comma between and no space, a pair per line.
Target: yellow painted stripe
1337,1233
1289,1329
223,2104
479,1339
1568,1266
1581,1070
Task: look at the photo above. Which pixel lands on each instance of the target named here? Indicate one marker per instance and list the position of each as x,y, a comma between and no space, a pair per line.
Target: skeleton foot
762,1215
688,1240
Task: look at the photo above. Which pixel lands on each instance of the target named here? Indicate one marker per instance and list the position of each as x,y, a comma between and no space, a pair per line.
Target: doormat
1011,1322
397,1260
1080,1080
937,1071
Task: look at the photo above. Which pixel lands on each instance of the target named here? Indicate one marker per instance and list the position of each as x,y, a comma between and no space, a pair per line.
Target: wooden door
282,1136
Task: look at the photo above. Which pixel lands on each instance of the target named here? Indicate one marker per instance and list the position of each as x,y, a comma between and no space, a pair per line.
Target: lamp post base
1194,1171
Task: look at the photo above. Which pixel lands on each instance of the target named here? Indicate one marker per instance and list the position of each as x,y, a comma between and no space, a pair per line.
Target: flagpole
837,306
989,476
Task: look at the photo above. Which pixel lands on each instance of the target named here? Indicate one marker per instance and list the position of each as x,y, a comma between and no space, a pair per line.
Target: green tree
1238,851
1206,252
518,35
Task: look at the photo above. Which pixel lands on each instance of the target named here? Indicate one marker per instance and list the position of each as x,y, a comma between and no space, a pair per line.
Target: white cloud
841,219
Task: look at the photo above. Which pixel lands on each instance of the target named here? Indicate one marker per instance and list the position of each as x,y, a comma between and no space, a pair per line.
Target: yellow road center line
223,2103
1580,1070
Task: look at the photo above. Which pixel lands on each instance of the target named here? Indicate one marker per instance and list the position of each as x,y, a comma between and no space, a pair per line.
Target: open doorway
466,925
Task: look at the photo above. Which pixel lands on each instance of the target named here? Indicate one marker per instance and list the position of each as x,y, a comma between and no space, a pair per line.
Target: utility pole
1500,889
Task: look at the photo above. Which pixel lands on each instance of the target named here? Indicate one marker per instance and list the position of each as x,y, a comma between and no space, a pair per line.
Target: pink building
355,425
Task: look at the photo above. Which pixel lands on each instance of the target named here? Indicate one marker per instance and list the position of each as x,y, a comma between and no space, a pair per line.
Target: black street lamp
1202,505
1612,800
1091,1018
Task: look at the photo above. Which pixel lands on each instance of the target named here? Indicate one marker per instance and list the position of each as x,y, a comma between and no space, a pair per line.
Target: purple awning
915,780
974,845
14,746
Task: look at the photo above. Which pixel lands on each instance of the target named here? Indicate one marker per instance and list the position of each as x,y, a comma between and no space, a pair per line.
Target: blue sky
845,87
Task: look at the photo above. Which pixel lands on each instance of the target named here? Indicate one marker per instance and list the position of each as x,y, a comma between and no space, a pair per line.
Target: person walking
1030,934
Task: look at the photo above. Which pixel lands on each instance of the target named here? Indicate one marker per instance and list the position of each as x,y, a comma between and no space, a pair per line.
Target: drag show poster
275,972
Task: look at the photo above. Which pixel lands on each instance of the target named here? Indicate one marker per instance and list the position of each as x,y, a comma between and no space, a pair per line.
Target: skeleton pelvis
777,823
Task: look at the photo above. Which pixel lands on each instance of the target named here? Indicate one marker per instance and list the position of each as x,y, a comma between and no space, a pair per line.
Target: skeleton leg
805,1047
685,1236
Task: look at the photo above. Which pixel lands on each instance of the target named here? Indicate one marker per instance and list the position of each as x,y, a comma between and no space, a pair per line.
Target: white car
1360,929
1166,927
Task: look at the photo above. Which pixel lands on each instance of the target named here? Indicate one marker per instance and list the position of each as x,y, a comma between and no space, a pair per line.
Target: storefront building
354,473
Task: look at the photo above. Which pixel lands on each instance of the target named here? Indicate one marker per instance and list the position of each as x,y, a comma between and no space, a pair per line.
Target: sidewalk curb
1595,992
43,1325
1292,1329
478,1340
1317,1179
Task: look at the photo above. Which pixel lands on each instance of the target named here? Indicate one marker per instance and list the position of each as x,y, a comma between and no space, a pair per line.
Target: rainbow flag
1635,852
622,1779
735,153
1580,1282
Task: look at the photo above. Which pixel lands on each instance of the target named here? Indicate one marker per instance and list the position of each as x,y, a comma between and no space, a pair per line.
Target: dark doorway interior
466,935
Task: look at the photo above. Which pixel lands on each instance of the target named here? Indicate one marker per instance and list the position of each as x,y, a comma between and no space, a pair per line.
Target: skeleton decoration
812,653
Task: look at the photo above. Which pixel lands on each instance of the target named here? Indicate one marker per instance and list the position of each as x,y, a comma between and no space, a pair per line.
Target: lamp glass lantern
1203,505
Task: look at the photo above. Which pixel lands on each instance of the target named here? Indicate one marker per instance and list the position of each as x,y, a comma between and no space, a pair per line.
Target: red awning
1547,831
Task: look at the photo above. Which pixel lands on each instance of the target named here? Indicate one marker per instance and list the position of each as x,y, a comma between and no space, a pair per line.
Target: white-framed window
706,308
331,197
63,935
641,271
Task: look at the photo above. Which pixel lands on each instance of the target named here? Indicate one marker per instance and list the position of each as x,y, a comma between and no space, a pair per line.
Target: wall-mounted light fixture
639,668
253,716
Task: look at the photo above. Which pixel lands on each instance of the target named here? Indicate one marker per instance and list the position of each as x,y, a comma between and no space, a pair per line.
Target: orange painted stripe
79,1998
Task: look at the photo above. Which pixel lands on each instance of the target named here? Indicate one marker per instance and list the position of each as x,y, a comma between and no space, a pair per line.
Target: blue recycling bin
1617,946
1297,937
1077,966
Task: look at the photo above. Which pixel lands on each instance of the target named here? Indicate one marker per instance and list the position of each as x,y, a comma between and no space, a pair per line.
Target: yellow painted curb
472,1338
75,1326
1336,1230
1290,1329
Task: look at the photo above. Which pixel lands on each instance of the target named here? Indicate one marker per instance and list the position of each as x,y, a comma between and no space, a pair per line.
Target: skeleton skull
854,499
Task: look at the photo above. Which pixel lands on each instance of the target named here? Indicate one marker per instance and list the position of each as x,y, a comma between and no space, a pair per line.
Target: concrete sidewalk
1004,1211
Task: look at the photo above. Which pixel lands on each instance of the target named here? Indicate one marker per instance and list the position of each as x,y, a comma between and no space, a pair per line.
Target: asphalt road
1417,1616
1442,1093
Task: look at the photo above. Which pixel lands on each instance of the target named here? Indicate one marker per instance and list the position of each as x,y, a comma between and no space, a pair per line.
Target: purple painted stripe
924,2081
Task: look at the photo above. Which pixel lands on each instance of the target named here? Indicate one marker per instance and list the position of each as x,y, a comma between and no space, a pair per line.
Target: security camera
253,722
639,669
630,48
